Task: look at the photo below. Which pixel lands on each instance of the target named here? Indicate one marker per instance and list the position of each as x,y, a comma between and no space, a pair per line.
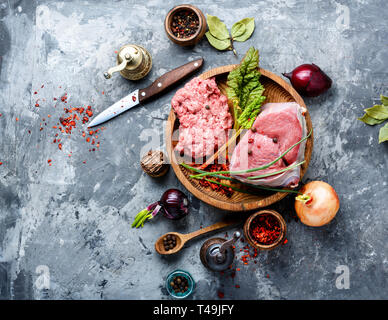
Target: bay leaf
217,28
238,29
384,100
217,43
383,134
379,112
249,24
369,120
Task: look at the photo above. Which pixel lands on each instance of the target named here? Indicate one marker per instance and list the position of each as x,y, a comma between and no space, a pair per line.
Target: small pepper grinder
133,62
217,254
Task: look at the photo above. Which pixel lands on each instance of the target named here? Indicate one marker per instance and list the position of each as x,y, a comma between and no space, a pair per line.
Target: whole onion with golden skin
318,204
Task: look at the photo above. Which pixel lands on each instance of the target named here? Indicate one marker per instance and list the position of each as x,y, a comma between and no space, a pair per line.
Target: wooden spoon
181,239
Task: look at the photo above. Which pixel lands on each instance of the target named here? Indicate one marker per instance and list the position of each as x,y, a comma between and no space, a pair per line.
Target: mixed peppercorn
184,24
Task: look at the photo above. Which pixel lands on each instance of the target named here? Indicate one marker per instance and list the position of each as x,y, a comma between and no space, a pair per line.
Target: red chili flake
89,113
35,92
91,132
37,105
0,114
133,98
60,146
285,241
250,140
83,161
42,86
220,294
237,286
238,269
265,229
1,163
49,161
17,119
267,275
103,92
87,139
64,98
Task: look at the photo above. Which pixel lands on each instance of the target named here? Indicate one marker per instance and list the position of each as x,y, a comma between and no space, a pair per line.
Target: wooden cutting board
276,90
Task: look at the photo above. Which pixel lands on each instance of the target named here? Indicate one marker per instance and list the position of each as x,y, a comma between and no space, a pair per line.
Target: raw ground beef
278,127
204,117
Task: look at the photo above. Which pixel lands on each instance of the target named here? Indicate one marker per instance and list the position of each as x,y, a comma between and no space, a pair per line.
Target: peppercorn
275,140
249,152
169,242
180,284
207,107
253,129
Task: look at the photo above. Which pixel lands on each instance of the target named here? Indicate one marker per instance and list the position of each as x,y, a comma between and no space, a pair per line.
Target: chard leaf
383,134
245,90
216,43
217,28
369,120
378,112
249,24
238,29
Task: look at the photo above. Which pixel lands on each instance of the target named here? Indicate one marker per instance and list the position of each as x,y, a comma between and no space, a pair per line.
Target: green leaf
383,134
369,120
378,112
245,90
249,24
238,29
217,28
216,43
384,100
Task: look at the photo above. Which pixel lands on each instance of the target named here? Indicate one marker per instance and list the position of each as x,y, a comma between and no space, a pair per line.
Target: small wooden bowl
197,36
260,246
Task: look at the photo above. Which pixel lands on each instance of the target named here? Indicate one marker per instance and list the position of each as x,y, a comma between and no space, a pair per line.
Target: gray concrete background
75,218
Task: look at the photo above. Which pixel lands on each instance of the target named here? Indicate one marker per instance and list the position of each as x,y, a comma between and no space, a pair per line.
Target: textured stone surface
75,218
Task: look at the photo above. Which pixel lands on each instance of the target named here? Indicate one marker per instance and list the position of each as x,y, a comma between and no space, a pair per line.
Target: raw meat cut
278,127
204,117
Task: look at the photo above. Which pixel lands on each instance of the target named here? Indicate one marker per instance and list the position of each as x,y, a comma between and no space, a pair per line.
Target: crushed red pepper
265,229
216,187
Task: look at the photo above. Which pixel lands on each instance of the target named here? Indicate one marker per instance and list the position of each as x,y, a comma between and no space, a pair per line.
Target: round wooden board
276,90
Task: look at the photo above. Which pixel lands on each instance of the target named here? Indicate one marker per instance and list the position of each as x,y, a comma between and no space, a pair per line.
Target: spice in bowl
169,242
265,229
180,284
184,24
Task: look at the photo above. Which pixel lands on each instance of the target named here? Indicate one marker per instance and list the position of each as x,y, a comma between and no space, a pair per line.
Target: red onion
309,80
174,205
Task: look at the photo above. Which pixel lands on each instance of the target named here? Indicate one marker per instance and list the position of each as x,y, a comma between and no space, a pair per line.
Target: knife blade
140,96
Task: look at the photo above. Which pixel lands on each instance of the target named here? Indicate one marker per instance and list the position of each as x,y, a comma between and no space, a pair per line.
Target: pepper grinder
133,62
217,254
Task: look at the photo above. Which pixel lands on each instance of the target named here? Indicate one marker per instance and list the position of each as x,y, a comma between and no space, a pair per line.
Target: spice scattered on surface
265,229
184,24
220,294
1,163
216,187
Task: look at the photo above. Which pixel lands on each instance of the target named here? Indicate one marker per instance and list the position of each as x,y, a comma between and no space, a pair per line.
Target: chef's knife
142,95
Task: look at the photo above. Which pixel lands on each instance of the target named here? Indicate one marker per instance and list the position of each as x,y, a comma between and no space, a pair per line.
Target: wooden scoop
181,239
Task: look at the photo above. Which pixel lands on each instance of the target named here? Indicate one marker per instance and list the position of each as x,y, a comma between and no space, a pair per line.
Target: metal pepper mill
217,254
133,62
